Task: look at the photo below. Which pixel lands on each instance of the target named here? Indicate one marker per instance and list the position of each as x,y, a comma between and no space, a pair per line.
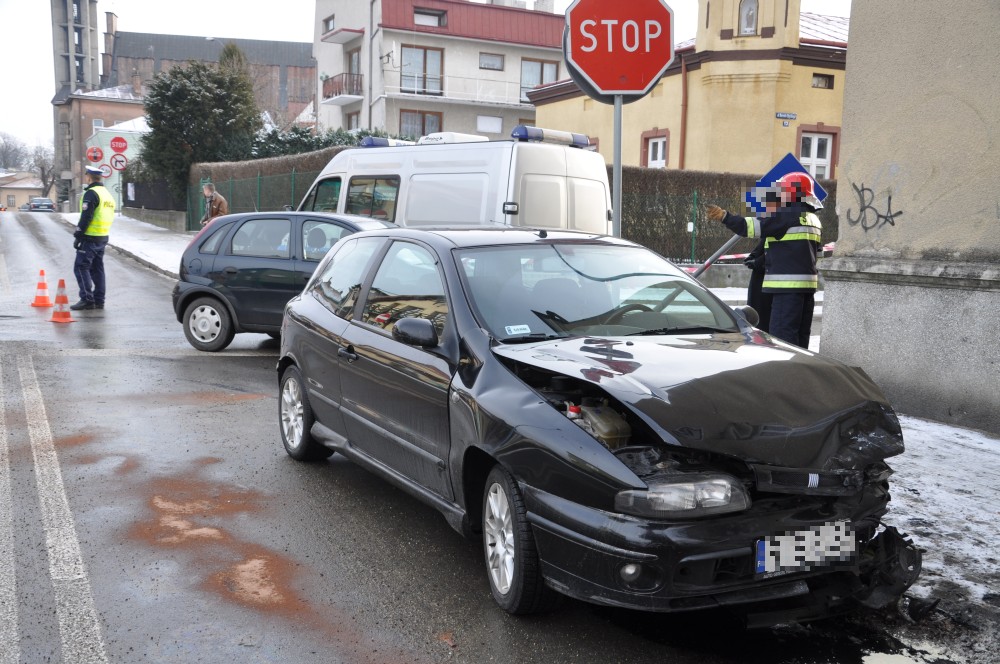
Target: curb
128,254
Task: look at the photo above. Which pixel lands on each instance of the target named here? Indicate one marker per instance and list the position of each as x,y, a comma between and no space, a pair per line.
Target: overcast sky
28,78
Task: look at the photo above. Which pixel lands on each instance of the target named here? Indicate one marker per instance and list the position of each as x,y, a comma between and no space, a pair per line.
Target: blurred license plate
827,545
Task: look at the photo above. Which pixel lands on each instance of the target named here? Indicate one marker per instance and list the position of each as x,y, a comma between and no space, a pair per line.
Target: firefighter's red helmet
800,187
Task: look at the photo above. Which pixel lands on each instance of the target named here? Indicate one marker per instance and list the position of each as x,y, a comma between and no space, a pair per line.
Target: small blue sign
788,164
785,116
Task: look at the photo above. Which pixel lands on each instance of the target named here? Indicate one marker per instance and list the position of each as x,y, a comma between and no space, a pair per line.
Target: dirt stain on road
187,513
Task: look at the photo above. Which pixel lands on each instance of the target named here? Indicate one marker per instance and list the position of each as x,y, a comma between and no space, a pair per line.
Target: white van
541,178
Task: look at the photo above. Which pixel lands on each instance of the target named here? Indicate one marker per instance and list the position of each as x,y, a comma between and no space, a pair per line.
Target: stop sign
119,144
622,47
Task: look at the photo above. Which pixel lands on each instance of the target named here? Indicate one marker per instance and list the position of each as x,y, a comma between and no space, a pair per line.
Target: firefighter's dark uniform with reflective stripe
793,236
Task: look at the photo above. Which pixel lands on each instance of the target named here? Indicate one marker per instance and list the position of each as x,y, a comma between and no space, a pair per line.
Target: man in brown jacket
215,204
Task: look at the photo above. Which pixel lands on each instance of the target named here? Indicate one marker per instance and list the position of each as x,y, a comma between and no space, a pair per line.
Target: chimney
136,83
545,6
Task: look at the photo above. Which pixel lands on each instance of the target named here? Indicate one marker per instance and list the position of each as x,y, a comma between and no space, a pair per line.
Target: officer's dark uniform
97,212
792,236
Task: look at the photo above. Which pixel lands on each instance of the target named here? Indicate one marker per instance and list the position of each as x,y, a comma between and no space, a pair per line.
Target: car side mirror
287,208
418,332
749,314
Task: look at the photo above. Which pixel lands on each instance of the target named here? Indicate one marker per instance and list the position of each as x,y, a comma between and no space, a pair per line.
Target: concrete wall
913,291
172,221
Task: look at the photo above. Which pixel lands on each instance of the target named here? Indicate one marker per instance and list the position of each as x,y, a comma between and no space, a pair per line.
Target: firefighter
792,237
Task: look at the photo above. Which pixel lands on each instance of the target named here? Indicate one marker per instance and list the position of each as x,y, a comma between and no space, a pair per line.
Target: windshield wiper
527,338
694,329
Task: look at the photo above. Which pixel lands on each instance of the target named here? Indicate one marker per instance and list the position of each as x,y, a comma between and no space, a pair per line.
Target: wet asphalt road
149,514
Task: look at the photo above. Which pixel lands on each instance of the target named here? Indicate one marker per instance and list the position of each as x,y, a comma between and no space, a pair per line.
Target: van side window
373,197
324,197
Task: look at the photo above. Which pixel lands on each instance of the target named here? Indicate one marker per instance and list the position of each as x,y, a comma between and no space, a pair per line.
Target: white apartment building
414,67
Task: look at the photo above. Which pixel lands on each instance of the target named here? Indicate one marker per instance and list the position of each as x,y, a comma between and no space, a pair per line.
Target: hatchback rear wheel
208,325
512,563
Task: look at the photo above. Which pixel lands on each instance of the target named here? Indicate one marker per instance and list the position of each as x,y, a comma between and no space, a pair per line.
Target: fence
657,206
263,192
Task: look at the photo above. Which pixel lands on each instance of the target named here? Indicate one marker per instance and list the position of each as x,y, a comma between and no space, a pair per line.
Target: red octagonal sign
621,47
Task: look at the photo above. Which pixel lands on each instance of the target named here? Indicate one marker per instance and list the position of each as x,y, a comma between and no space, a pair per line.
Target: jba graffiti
868,216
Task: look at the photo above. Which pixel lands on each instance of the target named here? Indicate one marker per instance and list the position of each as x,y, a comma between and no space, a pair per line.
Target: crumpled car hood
737,394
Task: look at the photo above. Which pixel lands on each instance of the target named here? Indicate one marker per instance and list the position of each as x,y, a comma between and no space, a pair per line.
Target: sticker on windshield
517,329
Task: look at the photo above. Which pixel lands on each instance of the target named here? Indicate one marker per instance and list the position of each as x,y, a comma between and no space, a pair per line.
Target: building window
748,17
657,152
824,81
535,73
430,18
491,61
419,123
96,124
354,120
655,143
11,201
354,61
489,124
815,154
421,71
328,24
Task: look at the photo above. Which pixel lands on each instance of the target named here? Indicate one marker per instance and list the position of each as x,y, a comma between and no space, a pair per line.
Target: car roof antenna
543,234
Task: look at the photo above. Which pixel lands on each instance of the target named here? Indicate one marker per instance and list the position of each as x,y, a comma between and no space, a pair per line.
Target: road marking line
10,653
78,624
4,276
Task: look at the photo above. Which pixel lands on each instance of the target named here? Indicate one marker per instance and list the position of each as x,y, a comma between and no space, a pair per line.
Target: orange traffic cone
61,313
42,293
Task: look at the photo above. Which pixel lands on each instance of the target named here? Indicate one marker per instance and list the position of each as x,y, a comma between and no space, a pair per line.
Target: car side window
373,197
265,238
324,197
407,285
338,285
318,237
212,242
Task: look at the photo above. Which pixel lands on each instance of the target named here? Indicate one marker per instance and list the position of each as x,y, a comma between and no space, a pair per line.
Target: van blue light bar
379,142
526,133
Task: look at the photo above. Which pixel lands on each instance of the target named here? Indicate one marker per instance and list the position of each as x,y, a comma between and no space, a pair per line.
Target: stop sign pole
616,52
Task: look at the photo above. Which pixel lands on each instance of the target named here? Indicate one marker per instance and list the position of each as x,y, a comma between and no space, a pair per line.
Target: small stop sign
119,144
620,48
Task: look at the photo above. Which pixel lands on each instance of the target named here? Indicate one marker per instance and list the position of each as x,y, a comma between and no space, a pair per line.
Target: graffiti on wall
868,215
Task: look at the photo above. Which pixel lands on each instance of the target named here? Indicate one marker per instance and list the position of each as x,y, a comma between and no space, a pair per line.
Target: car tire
512,564
208,325
295,419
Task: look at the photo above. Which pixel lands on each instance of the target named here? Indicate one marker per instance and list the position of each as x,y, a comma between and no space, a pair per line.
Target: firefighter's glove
715,213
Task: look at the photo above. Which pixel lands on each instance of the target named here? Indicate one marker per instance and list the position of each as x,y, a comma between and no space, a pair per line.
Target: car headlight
685,496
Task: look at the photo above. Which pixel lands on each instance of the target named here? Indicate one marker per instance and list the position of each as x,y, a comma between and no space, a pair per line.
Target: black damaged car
606,426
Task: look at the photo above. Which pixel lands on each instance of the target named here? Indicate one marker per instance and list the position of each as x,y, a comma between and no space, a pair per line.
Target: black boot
82,305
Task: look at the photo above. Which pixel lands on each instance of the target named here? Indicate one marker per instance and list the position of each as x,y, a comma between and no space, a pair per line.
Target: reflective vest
790,261
100,223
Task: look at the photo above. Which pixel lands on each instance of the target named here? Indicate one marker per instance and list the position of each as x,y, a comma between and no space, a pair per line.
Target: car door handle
230,270
348,354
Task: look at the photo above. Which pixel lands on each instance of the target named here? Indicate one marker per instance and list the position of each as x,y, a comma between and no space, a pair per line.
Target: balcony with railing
343,89
456,89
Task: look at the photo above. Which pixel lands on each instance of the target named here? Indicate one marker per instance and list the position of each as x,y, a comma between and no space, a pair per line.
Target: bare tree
43,162
14,155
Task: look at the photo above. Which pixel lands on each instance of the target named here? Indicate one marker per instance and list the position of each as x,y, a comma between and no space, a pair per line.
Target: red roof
476,21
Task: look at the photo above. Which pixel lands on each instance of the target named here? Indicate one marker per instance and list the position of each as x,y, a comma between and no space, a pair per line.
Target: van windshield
324,197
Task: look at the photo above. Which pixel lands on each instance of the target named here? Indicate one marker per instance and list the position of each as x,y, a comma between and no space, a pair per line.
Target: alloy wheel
499,532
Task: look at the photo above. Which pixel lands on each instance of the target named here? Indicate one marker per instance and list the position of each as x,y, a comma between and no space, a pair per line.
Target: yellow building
760,80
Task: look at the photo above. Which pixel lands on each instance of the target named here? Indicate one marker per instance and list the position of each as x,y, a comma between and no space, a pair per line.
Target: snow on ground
946,495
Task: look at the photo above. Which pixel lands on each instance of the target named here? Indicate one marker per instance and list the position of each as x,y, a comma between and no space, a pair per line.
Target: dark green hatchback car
238,273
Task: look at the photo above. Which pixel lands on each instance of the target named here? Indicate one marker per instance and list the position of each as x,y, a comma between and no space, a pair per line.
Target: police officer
97,212
792,236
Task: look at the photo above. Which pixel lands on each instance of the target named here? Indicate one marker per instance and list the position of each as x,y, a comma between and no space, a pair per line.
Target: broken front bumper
586,553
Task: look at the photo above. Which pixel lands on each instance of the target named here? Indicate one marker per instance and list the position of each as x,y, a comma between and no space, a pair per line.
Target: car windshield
539,291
